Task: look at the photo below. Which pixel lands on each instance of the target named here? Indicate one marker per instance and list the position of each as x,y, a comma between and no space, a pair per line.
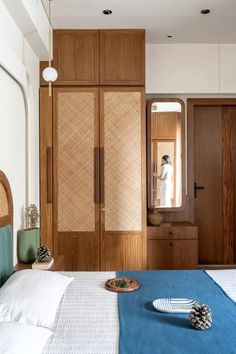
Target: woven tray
122,285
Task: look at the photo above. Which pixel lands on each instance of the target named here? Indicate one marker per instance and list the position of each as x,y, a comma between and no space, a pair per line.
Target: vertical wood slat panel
80,251
228,128
45,143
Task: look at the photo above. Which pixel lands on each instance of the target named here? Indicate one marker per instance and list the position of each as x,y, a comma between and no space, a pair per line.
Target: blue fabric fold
143,330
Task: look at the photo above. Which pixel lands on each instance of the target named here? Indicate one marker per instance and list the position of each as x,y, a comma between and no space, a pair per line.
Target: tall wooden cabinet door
208,182
76,57
122,57
76,213
122,178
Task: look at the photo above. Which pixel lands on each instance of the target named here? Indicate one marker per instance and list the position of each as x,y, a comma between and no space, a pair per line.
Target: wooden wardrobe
92,146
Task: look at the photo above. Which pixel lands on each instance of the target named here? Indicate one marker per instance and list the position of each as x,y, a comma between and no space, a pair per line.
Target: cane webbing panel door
122,159
3,202
122,136
76,214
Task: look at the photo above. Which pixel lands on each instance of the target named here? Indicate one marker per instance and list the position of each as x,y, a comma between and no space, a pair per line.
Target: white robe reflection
165,185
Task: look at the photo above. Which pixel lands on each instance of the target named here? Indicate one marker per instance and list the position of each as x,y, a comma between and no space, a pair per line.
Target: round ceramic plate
175,305
122,285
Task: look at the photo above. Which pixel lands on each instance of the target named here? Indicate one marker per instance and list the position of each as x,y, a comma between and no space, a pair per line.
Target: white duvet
87,320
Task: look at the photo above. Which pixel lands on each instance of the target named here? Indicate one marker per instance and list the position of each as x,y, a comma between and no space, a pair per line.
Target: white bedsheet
87,322
226,279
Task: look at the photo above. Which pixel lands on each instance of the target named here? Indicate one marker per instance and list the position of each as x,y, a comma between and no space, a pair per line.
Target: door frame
228,251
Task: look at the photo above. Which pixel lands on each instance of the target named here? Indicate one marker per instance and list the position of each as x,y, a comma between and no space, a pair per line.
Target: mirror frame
183,153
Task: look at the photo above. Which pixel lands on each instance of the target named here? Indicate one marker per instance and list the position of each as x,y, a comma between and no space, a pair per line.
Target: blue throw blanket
143,330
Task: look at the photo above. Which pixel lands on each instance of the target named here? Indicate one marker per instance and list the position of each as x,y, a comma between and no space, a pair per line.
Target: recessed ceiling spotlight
205,11
169,35
107,12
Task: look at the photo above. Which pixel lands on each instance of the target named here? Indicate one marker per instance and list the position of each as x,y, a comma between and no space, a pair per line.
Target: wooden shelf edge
216,266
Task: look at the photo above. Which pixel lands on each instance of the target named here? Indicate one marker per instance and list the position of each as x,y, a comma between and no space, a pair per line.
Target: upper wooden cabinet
98,57
122,57
76,57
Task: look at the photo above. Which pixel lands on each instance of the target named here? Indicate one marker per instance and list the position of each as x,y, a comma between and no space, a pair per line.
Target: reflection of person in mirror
166,181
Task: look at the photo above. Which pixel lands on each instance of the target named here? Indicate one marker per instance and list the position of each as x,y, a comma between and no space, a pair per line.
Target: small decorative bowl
122,285
155,218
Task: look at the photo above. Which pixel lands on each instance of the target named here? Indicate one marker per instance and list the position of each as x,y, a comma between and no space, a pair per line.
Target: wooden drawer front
174,232
172,254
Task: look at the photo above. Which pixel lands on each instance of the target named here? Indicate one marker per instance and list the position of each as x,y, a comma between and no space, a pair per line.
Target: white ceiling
181,18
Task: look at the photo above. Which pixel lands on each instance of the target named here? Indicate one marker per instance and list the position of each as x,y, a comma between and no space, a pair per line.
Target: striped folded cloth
176,305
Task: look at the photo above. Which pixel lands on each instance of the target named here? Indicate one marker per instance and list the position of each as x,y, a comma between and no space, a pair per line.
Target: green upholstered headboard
6,253
6,229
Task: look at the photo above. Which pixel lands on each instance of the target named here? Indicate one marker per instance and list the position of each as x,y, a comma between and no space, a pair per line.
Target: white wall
228,68
30,17
19,130
191,68
12,143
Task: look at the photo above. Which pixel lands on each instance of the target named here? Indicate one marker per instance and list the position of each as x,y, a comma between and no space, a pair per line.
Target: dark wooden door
208,174
215,170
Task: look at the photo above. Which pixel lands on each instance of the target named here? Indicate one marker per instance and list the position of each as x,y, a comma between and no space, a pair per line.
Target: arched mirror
166,154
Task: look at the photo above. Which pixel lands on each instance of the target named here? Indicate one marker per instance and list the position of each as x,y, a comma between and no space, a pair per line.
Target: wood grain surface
208,173
122,57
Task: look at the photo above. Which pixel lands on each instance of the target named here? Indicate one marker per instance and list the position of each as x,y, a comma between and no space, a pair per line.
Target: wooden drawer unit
172,247
172,232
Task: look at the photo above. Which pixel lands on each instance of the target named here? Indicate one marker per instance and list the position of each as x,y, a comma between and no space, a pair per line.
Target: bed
92,320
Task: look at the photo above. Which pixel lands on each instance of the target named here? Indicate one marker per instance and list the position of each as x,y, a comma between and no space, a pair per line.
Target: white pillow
19,338
32,297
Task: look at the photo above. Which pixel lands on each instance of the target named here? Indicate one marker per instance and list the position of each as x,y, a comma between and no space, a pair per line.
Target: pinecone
200,316
43,254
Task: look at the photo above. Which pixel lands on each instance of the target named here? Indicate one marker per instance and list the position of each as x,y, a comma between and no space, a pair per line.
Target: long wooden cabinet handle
101,175
96,175
49,174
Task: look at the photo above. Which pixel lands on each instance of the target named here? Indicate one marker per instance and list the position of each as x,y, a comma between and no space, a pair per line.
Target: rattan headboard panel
6,204
4,208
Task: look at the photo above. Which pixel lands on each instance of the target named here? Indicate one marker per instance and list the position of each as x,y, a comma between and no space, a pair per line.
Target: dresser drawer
172,232
172,254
